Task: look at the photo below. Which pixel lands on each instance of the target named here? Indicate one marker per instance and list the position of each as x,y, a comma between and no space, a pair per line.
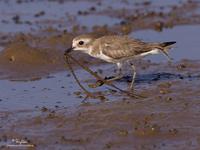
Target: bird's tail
164,47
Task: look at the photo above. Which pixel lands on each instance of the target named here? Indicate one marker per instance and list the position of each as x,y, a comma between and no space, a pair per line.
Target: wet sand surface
41,104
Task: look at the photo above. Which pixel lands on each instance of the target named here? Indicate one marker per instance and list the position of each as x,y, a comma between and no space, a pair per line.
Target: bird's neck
89,51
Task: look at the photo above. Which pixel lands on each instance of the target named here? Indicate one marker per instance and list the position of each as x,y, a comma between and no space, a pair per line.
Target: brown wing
118,47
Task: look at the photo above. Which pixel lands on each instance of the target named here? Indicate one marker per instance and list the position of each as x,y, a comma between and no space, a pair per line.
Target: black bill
69,50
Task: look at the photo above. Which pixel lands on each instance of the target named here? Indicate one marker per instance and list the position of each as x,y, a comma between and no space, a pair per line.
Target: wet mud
42,107
168,118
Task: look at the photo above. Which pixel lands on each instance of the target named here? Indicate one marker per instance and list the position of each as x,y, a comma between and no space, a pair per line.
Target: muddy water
49,104
54,91
27,16
30,16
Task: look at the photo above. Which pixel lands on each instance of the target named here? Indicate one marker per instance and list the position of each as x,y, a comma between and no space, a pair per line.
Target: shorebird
118,50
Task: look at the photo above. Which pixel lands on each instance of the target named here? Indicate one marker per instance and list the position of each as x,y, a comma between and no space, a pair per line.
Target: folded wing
122,47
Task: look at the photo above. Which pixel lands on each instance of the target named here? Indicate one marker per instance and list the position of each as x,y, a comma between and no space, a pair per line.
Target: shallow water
56,91
1,48
65,14
54,14
50,92
99,20
187,38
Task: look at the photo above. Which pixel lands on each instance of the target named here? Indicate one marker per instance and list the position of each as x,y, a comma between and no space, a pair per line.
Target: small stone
169,99
44,109
123,132
173,131
12,58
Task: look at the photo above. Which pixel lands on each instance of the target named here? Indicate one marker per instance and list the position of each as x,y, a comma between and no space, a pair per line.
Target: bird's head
81,43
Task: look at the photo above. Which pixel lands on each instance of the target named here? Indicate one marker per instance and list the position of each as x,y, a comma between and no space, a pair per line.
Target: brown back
118,47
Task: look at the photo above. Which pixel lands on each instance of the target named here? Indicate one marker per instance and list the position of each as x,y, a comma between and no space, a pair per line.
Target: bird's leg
165,53
109,79
133,78
117,77
119,74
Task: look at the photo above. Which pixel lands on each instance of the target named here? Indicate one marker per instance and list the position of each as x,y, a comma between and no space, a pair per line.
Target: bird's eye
81,43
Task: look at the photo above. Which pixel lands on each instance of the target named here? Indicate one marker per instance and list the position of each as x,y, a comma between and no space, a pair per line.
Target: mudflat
41,104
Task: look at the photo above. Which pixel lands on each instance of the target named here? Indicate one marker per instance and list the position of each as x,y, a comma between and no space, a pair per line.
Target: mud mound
19,60
23,53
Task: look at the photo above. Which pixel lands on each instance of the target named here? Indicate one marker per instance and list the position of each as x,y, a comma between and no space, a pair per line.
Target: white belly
152,52
103,57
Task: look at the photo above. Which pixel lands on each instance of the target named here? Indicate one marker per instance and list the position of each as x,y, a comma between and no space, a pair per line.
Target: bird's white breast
102,56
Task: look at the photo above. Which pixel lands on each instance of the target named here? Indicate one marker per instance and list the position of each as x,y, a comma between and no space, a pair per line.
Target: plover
118,50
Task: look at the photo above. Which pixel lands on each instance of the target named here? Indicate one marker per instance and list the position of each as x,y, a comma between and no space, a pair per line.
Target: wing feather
117,47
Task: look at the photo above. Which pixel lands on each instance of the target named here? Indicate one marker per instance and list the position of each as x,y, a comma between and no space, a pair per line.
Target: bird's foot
109,78
113,78
106,79
97,84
